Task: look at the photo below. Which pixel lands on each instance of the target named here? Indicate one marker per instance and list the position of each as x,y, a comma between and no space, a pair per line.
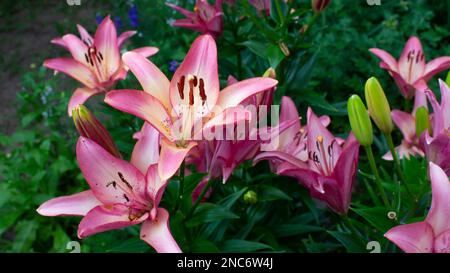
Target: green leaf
132,245
204,246
208,212
241,246
377,217
270,193
286,230
25,236
348,241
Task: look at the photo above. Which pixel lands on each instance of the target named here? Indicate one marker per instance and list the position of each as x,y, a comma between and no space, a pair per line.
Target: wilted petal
149,76
157,234
79,96
196,81
171,157
234,94
76,204
412,238
143,105
74,69
104,218
439,214
146,150
111,179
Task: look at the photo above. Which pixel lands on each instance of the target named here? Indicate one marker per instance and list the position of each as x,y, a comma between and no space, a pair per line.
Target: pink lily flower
437,147
433,234
406,122
206,18
121,194
330,170
411,73
95,62
187,106
261,6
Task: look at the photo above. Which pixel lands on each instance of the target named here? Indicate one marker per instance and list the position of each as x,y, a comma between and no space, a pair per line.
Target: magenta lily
187,106
120,194
433,234
330,170
206,18
411,73
437,147
95,62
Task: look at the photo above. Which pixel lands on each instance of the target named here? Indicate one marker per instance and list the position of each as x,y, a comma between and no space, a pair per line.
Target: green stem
280,13
397,164
200,197
373,166
180,189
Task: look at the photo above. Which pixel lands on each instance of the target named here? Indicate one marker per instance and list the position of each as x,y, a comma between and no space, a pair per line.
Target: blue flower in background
133,15
98,18
118,22
173,65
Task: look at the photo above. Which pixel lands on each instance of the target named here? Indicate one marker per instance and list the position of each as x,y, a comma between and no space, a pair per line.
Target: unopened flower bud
447,79
359,120
270,73
284,49
250,197
378,105
319,5
88,126
422,121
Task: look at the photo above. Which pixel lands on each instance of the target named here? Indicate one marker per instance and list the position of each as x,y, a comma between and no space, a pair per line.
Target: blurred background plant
320,59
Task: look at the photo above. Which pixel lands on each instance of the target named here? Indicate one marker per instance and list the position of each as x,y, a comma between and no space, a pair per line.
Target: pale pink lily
190,104
437,147
95,61
433,234
330,171
411,73
120,194
205,18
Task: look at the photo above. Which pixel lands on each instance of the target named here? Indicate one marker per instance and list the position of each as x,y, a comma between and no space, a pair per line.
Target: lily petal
439,214
200,62
111,179
171,158
146,150
143,105
146,51
84,34
78,204
157,234
59,41
154,187
288,112
104,218
387,61
435,66
124,37
77,48
74,69
79,96
406,123
149,76
231,116
106,42
412,238
412,60
234,94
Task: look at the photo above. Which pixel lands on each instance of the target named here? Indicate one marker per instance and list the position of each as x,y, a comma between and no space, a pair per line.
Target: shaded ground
26,28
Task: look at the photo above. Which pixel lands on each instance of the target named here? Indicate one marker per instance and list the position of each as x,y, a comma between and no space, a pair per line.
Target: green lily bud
270,73
378,105
319,5
359,120
88,126
447,80
250,197
422,121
